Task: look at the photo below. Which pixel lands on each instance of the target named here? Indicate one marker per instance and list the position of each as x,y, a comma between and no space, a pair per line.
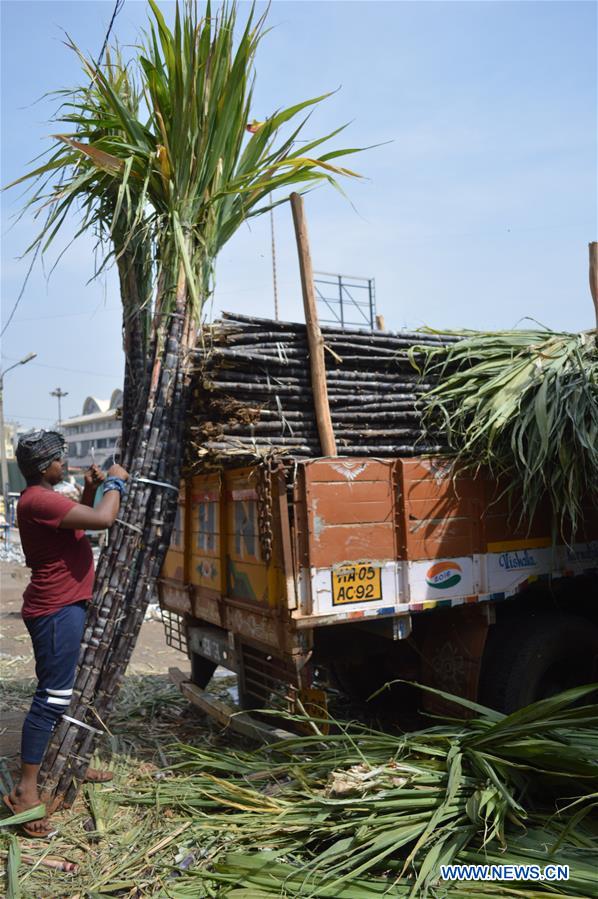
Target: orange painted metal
382,511
350,513
440,517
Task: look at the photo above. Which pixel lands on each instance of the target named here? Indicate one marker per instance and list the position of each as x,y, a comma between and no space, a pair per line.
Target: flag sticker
444,575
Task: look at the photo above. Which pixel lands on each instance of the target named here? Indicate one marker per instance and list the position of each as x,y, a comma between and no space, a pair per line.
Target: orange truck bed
267,558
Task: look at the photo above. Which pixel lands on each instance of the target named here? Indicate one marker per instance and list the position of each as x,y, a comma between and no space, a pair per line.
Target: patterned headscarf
37,450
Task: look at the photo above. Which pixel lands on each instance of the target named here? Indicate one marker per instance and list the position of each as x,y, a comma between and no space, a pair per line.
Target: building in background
94,435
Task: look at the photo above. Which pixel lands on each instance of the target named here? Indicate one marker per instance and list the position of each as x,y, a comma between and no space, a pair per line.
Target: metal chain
264,509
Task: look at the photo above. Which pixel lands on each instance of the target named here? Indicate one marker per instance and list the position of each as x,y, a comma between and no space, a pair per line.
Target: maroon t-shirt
61,561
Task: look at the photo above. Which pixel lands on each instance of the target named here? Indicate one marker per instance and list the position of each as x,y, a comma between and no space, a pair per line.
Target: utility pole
58,393
593,247
3,462
315,341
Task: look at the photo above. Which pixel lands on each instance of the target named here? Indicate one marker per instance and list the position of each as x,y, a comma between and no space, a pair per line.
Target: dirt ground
151,655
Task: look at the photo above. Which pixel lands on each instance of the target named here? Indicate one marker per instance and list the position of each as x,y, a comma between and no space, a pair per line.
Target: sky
475,211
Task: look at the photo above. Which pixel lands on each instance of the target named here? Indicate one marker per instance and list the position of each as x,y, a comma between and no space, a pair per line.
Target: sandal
44,832
97,776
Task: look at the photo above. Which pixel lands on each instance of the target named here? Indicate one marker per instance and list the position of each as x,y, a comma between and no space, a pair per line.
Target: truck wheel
531,658
202,670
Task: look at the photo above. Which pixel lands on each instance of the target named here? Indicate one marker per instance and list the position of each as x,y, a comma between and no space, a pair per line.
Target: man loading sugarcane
52,529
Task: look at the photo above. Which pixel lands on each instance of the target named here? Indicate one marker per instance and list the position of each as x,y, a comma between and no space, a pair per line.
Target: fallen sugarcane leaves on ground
355,813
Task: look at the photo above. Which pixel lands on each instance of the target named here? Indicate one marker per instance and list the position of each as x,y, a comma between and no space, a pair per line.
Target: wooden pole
594,275
315,340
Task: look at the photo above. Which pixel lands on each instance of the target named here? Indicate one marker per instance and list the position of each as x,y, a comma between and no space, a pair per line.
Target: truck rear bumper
227,714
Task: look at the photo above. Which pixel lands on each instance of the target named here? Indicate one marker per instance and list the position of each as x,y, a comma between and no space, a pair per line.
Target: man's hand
103,515
117,471
94,476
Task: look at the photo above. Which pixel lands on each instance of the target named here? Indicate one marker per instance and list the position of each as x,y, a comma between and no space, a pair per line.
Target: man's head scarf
36,450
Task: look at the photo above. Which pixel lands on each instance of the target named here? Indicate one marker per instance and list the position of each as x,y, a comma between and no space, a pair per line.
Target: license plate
356,583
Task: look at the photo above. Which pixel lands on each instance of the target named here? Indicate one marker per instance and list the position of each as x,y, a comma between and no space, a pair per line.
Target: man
52,529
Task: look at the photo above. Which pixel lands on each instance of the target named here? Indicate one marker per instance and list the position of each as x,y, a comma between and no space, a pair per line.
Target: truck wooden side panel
439,516
249,578
174,563
204,546
365,538
215,570
349,518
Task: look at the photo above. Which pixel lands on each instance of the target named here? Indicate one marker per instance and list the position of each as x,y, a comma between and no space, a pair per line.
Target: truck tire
531,658
202,670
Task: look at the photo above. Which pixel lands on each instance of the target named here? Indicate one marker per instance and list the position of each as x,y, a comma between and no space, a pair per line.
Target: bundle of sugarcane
524,404
253,390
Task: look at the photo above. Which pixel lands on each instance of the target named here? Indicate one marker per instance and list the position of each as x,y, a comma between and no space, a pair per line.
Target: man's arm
82,517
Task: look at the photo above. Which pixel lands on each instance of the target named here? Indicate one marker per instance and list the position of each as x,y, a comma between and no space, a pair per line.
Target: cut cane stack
252,392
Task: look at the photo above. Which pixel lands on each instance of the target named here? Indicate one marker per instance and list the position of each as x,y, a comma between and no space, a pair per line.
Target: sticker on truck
444,575
356,583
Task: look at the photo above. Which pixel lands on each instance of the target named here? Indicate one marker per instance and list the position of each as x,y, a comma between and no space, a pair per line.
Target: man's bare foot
97,776
18,801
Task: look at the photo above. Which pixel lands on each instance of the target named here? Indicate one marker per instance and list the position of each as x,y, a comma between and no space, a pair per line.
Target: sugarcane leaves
189,271
189,175
443,852
31,814
525,404
100,158
13,890
436,788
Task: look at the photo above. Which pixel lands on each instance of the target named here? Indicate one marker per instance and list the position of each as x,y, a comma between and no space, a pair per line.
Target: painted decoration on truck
433,580
505,571
444,575
580,556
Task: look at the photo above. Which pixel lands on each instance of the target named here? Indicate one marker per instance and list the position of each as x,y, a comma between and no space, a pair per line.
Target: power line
75,371
22,291
16,418
40,318
117,8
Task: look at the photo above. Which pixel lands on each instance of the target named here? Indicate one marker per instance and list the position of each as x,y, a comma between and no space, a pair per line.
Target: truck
375,570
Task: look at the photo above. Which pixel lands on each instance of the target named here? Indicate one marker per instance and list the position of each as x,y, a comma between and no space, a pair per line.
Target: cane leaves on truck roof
524,404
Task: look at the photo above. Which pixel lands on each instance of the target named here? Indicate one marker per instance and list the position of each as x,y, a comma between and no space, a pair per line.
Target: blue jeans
56,642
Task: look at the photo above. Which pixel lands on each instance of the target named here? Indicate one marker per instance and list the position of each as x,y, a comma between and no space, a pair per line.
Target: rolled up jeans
56,642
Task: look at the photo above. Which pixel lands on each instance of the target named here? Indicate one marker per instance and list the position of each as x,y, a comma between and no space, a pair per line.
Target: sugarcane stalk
240,319
127,570
133,278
